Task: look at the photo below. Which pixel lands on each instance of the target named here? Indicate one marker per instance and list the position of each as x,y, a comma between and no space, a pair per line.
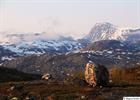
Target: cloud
49,24
14,38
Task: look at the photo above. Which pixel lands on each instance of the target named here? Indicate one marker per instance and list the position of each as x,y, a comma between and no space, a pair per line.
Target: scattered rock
83,97
46,76
14,98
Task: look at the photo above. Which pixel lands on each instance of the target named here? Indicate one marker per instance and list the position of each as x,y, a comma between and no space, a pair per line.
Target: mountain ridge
108,31
38,44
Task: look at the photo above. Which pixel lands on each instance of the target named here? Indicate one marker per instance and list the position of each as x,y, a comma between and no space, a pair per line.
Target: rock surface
96,74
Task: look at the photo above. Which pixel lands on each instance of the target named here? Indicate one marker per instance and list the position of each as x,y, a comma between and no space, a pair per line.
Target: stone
96,74
46,76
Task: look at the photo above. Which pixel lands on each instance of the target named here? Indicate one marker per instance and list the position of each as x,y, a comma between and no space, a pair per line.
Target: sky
67,17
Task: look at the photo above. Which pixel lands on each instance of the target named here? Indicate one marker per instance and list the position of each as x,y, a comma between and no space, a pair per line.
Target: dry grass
63,91
125,82
125,76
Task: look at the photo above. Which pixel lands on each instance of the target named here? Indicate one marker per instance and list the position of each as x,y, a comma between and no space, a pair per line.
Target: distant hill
7,75
106,45
106,52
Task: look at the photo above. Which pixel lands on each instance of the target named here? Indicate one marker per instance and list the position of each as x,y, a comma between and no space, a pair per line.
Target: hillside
108,53
8,75
120,86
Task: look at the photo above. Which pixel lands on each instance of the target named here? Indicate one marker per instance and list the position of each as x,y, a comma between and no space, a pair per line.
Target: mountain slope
39,43
8,75
26,44
106,52
108,31
40,46
105,45
6,54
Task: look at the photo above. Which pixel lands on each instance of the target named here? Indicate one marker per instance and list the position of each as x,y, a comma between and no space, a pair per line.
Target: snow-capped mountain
6,54
19,44
60,45
108,31
106,44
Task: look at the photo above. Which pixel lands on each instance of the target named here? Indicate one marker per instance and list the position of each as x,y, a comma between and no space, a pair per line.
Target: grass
63,91
125,82
125,76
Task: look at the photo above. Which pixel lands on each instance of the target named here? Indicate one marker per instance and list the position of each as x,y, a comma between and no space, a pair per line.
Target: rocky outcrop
96,74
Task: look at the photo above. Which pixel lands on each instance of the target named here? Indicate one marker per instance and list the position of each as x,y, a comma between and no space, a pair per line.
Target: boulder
96,74
46,76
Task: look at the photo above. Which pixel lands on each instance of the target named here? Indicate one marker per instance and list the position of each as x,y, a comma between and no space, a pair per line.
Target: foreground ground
43,90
